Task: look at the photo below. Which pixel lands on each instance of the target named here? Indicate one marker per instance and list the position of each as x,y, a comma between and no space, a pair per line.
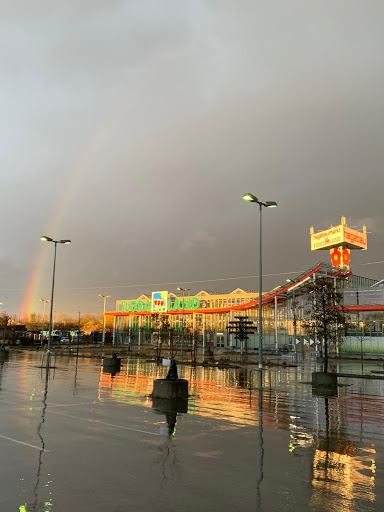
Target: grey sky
134,128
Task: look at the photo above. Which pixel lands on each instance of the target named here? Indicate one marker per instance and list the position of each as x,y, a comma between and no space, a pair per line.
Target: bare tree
324,314
5,319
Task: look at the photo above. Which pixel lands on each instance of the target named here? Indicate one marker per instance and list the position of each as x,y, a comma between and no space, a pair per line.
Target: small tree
5,320
161,328
324,314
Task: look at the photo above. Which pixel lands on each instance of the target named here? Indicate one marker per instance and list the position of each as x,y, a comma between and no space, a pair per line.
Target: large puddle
84,439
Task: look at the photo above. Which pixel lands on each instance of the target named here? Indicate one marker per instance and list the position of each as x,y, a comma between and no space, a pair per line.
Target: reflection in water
337,433
1,371
344,472
168,457
309,452
35,506
260,448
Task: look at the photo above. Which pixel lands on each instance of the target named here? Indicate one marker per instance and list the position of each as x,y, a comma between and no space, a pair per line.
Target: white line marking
13,403
25,444
71,405
107,424
29,406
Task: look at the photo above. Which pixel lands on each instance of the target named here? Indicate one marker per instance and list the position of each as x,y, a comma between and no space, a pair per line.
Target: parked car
65,340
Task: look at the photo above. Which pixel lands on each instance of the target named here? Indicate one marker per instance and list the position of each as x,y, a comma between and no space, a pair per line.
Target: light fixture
105,297
45,238
269,204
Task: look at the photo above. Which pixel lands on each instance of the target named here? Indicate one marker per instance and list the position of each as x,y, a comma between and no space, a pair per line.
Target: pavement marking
25,444
71,405
28,404
106,424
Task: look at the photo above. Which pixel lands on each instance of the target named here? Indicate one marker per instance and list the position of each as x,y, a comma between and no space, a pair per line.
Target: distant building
204,317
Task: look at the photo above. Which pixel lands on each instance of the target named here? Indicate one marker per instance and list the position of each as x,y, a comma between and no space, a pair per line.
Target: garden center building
203,318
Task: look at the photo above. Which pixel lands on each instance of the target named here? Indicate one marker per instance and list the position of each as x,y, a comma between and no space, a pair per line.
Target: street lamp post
268,204
44,301
294,318
184,290
48,239
105,297
78,334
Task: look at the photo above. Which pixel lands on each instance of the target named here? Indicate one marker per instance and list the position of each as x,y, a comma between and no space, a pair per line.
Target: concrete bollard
111,363
4,356
171,389
324,380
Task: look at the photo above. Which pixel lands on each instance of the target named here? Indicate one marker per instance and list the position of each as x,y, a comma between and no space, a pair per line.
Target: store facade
202,319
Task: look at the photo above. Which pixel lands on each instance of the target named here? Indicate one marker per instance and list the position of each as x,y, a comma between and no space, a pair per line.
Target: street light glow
46,238
64,241
271,204
250,198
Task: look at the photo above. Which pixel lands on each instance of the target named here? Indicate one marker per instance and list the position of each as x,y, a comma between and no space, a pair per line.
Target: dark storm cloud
166,113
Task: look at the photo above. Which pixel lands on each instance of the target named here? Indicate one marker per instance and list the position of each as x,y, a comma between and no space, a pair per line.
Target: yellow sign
339,236
159,302
325,239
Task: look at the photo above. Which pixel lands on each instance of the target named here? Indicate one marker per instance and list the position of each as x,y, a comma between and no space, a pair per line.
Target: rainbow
31,296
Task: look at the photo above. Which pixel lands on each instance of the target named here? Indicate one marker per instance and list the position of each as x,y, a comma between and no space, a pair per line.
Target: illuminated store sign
327,239
160,303
338,236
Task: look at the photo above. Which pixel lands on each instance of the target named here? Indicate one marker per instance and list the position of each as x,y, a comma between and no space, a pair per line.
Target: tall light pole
268,204
78,334
105,297
44,301
183,290
49,239
294,317
0,306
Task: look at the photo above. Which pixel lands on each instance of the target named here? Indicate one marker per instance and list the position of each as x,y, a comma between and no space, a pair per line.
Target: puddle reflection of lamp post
105,297
48,239
268,204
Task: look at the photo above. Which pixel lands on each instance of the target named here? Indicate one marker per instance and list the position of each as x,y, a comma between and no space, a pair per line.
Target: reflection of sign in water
349,476
159,302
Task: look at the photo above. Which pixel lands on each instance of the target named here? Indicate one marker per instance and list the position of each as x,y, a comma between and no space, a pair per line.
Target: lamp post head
105,296
45,238
271,204
250,198
290,280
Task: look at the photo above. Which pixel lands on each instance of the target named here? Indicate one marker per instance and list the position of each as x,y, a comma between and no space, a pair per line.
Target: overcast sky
135,127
